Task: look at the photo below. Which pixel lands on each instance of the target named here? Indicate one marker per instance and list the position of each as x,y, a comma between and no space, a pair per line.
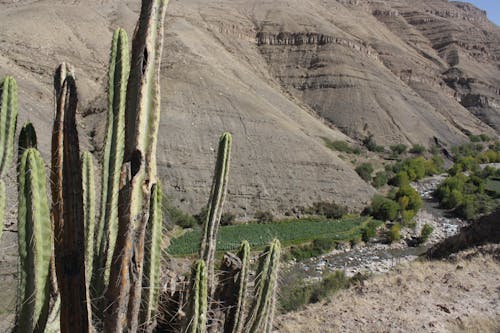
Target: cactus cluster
80,273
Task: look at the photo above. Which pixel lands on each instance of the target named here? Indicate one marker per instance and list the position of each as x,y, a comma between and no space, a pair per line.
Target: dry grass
459,295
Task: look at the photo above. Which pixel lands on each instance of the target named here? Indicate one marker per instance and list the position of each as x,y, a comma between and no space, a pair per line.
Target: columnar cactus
261,317
8,122
198,304
34,244
27,139
119,68
68,216
141,131
88,187
236,313
151,278
214,211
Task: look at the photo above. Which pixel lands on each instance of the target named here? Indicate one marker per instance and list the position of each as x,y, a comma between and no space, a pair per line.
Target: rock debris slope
279,75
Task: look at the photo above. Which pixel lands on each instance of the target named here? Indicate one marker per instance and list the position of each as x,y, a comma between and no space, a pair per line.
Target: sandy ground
461,294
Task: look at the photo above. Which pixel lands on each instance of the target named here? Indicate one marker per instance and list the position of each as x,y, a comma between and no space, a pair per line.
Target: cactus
141,131
236,314
67,206
8,122
214,211
88,186
119,68
34,244
261,317
151,278
198,299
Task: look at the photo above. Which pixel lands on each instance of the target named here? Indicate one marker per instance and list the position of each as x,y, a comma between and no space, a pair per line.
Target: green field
493,185
259,235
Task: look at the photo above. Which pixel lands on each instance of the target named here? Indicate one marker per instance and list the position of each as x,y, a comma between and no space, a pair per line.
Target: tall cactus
198,304
8,122
67,206
214,211
236,314
141,129
151,279
88,187
261,317
34,232
119,68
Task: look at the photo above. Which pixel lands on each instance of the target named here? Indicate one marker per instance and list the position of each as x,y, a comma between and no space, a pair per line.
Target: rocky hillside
280,75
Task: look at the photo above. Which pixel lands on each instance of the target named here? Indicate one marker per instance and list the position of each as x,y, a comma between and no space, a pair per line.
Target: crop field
259,235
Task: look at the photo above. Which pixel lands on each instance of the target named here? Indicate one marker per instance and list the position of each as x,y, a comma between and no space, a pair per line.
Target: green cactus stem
198,304
235,319
151,278
34,232
119,68
8,122
141,131
88,186
67,196
262,311
214,211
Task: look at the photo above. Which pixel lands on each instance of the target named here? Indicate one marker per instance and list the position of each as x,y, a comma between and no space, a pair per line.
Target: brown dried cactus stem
67,208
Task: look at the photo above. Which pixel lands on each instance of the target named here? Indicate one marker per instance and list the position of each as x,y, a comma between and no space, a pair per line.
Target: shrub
227,218
202,215
383,208
417,149
380,179
474,138
394,233
178,217
369,231
408,196
398,149
264,217
330,210
371,145
365,171
341,146
425,233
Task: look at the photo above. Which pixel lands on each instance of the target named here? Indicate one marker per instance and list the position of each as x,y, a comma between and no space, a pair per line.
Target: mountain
281,75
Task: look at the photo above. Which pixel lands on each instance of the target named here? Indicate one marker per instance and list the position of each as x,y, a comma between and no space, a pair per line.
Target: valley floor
460,294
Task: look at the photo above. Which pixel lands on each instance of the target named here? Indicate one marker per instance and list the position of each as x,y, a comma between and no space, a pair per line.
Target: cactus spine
34,244
214,211
8,122
88,187
261,317
68,209
119,68
151,278
198,299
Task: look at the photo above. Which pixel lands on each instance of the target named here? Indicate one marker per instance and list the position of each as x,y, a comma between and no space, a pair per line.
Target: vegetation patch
258,235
